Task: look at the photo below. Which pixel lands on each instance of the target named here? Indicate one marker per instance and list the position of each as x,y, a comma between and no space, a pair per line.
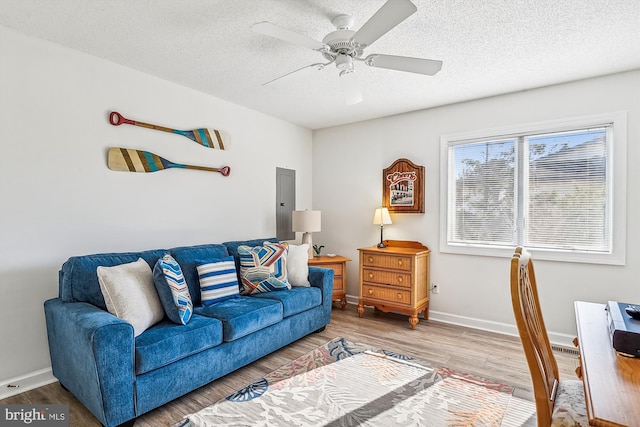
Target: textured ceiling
489,47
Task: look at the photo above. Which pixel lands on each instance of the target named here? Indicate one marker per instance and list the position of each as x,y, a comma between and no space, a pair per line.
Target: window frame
617,186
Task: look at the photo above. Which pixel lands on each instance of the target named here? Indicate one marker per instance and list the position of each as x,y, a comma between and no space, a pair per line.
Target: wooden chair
558,403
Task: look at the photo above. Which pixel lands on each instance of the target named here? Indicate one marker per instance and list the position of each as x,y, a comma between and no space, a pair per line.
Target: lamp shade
306,221
381,217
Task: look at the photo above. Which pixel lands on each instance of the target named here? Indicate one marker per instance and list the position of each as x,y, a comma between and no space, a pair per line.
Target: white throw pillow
130,294
297,265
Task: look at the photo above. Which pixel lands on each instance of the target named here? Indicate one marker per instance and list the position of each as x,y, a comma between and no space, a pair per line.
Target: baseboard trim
17,385
556,339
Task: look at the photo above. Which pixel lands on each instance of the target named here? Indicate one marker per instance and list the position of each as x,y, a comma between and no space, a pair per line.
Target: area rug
348,384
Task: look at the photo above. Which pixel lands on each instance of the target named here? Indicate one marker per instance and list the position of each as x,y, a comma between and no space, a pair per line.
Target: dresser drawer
337,268
398,296
386,277
338,284
395,262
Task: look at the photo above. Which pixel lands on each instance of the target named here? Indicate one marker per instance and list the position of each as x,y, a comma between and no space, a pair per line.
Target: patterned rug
348,384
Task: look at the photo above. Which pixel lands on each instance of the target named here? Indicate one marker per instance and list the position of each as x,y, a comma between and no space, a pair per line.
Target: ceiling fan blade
287,35
388,16
404,63
350,87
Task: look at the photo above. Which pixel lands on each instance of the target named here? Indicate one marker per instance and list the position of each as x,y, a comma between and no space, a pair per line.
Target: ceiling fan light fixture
344,62
350,87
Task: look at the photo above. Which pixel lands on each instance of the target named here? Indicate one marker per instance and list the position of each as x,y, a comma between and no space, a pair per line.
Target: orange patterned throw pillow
263,268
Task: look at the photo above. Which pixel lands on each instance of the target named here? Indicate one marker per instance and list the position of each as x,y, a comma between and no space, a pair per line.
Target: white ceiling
489,47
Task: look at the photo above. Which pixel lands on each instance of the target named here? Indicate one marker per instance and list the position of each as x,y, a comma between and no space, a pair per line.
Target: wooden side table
339,266
395,278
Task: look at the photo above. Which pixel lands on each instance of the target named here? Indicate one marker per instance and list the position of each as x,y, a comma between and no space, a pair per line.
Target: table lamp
381,217
307,222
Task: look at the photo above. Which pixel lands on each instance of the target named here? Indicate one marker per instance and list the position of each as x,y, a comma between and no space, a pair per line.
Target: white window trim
617,156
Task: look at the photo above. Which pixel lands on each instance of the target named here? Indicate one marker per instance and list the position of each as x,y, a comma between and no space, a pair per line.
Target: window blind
544,190
483,191
567,191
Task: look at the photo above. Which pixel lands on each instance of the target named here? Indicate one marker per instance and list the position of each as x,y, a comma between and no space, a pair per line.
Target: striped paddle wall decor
130,160
207,137
210,138
137,161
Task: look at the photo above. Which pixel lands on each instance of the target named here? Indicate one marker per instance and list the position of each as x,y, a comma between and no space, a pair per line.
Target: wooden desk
611,381
339,266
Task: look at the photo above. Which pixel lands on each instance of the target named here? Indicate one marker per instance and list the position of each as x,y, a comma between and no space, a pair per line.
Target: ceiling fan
344,46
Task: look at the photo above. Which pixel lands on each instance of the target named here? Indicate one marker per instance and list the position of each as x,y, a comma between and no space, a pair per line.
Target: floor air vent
567,350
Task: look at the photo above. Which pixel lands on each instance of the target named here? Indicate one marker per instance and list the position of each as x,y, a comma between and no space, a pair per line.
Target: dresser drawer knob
370,259
370,291
370,275
399,263
399,279
399,296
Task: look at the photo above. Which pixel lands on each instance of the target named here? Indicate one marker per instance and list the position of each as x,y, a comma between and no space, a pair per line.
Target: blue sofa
117,377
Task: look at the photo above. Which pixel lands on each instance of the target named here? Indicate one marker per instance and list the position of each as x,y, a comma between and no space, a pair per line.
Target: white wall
347,186
59,199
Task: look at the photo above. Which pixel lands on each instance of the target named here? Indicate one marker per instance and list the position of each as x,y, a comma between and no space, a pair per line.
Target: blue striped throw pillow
218,280
172,290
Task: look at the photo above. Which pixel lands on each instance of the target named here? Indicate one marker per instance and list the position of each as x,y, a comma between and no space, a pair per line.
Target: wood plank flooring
469,350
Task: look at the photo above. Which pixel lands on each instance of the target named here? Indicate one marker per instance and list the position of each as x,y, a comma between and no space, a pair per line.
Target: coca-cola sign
403,187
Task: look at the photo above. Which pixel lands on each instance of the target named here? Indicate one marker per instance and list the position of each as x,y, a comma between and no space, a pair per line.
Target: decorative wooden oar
130,160
210,138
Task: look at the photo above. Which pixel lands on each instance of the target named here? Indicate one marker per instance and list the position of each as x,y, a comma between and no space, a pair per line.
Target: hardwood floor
469,350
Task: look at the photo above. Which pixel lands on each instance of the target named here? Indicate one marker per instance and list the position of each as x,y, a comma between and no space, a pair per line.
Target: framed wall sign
403,187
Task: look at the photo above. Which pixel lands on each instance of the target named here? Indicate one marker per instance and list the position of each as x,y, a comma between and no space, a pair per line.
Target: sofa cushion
243,315
296,300
172,290
78,277
167,342
263,268
218,280
187,256
129,294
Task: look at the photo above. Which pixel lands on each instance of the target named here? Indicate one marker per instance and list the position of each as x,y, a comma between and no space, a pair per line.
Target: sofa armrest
92,355
323,278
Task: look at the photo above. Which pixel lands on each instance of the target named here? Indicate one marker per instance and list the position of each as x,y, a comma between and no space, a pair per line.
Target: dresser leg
413,319
360,310
343,302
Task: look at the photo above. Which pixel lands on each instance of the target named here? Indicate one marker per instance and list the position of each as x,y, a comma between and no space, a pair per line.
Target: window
555,187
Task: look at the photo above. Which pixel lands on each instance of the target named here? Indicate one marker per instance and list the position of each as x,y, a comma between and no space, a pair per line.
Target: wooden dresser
395,278
338,265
